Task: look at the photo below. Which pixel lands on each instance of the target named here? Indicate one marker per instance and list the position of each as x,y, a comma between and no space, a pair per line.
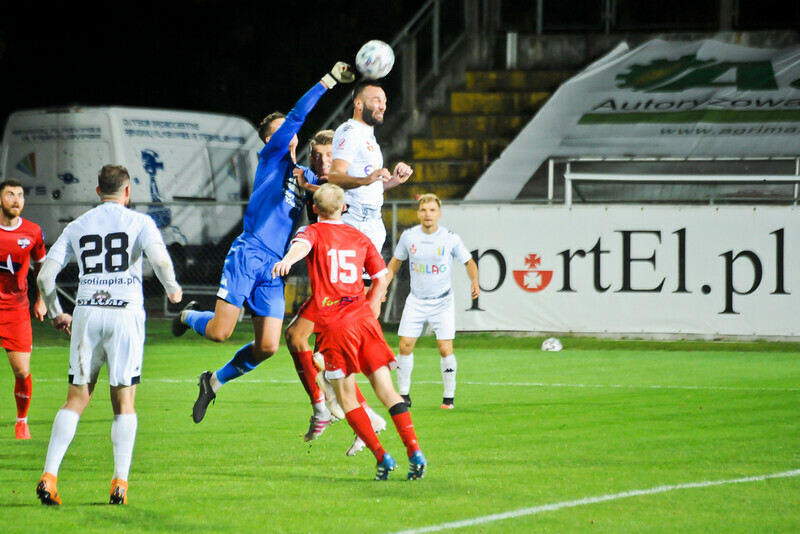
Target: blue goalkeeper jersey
277,201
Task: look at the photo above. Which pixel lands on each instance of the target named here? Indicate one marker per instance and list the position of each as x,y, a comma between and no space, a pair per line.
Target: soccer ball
375,59
551,344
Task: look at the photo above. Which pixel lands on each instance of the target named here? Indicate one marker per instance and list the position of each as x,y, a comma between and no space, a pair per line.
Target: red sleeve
38,253
373,262
307,234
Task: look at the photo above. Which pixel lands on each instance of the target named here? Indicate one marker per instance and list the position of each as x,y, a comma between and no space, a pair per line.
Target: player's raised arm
340,73
282,137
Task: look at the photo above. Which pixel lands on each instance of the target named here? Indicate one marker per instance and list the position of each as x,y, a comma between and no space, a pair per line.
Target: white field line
473,383
592,500
619,386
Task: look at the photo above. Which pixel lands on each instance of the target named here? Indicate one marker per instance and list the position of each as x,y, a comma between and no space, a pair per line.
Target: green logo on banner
688,72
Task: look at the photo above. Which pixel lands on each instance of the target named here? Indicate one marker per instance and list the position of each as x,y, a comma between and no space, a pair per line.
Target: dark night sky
244,58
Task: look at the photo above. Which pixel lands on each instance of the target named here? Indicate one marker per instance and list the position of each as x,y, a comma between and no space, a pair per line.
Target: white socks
449,367
378,422
123,434
64,425
405,364
321,411
215,383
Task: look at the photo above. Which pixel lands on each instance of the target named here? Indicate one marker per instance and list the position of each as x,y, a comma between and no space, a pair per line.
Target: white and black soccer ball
375,59
551,344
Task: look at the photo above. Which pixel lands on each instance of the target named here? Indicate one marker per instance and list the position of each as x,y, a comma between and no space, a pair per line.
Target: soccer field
605,436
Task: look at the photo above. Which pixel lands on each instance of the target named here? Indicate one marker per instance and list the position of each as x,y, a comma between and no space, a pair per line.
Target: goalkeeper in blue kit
273,211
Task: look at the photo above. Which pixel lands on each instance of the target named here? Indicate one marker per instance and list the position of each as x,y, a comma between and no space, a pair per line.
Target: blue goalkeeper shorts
247,277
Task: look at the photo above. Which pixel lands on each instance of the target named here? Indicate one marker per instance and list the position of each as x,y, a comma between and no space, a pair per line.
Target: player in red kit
301,327
348,333
20,241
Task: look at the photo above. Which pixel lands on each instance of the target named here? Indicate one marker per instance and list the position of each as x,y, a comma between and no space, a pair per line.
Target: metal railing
421,48
705,174
198,265
608,16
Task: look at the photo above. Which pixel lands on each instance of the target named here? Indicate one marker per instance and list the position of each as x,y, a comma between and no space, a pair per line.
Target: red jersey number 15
342,268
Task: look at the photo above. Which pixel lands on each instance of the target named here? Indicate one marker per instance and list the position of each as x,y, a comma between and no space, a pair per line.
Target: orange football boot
47,490
119,492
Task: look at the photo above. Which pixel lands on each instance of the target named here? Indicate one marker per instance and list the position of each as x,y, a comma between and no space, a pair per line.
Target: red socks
360,423
23,389
304,365
360,398
405,428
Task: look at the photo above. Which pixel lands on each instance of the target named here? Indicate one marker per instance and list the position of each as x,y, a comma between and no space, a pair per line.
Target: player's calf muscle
218,330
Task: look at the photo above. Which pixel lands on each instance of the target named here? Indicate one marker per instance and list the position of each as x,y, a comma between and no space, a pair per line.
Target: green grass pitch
605,436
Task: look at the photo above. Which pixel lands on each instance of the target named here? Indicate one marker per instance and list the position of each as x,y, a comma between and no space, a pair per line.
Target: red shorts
308,310
15,330
358,347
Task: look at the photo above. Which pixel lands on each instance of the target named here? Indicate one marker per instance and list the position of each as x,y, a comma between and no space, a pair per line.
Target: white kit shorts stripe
440,313
111,336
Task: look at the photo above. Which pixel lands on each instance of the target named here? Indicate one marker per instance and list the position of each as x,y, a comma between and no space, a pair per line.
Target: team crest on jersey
413,249
370,147
102,298
23,242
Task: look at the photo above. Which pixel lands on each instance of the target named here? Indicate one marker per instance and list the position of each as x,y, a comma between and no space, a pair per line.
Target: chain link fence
198,246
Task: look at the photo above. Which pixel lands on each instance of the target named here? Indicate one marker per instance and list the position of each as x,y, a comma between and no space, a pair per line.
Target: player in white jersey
357,168
108,327
358,163
430,250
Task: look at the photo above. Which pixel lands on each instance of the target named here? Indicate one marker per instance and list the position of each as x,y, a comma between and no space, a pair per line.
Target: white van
203,161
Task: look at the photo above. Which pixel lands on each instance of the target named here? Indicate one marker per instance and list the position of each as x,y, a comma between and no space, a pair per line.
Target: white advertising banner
707,271
664,98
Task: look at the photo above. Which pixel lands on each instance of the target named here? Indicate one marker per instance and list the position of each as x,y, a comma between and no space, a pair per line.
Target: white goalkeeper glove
341,72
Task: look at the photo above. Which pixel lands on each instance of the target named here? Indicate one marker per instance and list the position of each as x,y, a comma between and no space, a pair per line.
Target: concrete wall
575,51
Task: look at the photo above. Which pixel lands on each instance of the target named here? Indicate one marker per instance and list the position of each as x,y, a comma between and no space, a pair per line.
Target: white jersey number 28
115,247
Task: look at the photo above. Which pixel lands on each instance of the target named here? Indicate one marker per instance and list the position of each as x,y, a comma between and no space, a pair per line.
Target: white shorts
111,336
440,313
372,228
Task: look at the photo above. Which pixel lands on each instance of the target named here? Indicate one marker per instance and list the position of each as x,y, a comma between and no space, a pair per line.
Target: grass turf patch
530,428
